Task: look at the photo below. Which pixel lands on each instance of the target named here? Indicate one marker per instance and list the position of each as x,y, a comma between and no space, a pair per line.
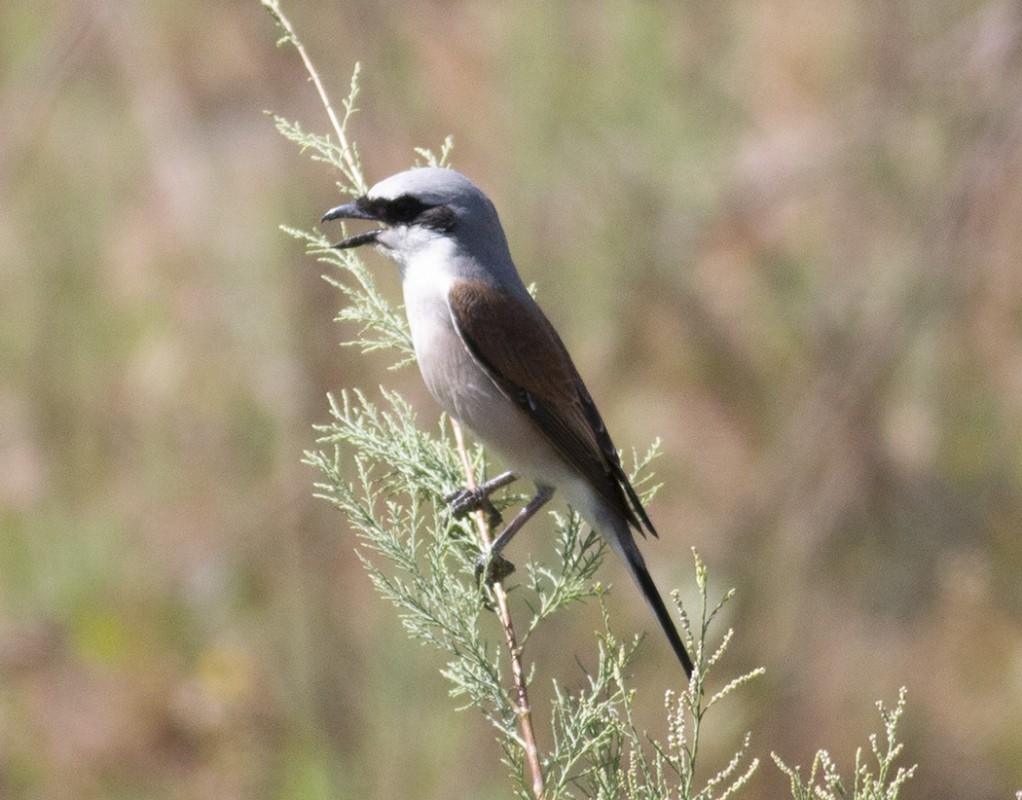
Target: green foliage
423,562
595,726
380,326
825,781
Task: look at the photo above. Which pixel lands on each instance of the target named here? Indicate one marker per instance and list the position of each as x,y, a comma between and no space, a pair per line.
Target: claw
465,501
494,567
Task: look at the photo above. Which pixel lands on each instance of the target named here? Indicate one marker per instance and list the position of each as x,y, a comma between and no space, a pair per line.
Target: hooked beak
352,211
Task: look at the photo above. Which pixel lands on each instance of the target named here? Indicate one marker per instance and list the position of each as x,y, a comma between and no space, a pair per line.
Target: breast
448,369
458,383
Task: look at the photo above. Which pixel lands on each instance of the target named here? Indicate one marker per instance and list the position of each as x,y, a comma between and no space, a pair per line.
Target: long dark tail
637,567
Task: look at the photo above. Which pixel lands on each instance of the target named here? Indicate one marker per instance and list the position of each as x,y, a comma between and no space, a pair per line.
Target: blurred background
784,237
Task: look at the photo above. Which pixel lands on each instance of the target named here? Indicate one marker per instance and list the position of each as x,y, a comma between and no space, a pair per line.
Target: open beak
352,211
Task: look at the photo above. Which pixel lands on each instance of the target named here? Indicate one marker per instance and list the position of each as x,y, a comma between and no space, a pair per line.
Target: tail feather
624,544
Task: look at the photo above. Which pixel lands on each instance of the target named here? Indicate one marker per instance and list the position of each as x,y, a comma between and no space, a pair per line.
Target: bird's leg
492,563
465,501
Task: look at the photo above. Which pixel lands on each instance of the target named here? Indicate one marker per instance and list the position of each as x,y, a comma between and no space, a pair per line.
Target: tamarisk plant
825,781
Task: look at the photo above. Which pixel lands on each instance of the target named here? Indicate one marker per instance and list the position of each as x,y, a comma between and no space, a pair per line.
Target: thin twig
354,173
523,708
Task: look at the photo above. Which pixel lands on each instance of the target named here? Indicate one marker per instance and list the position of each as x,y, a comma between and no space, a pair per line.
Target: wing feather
514,342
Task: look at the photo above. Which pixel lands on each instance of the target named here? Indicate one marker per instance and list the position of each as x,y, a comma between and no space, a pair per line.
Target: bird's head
426,211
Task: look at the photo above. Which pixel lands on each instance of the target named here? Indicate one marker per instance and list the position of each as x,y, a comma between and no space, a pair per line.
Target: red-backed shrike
494,362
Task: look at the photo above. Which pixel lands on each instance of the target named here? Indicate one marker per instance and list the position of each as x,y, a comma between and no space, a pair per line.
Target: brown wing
515,343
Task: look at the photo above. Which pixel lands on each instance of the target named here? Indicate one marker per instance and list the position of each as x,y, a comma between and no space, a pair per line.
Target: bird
493,361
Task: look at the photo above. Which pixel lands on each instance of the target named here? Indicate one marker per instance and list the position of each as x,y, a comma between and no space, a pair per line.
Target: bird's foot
492,567
464,501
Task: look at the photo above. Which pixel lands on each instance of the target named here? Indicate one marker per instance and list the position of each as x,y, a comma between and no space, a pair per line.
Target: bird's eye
405,208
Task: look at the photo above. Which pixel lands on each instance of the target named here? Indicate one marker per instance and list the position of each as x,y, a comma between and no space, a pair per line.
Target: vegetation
783,238
429,564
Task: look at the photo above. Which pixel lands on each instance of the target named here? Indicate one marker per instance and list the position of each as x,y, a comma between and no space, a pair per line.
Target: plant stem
354,173
523,709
